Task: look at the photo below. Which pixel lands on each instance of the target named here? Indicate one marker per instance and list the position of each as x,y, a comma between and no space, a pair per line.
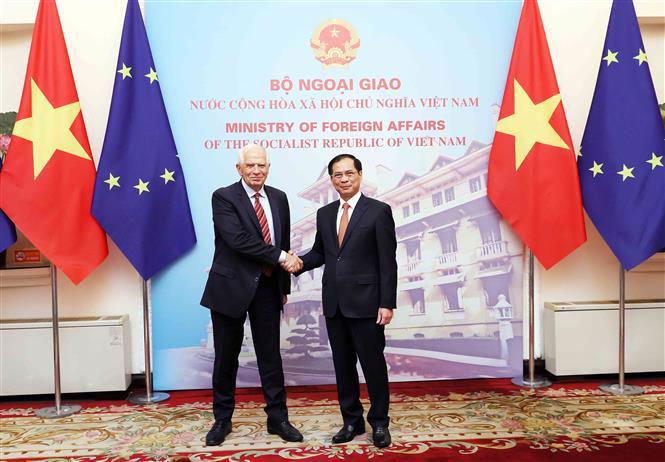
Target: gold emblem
335,43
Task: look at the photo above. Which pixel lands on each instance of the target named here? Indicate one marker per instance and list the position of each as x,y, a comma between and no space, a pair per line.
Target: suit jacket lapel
276,223
357,214
247,206
332,224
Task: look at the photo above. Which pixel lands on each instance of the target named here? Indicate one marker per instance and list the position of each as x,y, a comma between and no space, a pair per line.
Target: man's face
254,169
345,178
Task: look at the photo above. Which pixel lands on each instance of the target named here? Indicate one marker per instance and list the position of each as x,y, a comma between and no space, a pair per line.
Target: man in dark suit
355,239
252,236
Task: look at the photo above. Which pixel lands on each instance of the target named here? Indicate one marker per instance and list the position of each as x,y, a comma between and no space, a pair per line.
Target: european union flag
621,167
140,195
7,228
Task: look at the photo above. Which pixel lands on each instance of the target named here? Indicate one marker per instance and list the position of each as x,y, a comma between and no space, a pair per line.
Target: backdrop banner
413,90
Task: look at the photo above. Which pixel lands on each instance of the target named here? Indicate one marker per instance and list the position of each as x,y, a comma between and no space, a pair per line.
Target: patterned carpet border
428,422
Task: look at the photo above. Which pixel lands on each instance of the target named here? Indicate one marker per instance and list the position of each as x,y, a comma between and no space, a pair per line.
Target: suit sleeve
386,242
232,232
316,256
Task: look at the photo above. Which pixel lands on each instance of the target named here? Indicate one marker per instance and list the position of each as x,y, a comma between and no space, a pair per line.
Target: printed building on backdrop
459,291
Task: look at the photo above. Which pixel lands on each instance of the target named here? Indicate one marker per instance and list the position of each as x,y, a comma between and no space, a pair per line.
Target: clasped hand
293,263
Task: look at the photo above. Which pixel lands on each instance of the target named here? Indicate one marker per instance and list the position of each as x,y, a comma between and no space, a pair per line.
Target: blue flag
621,167
7,228
140,196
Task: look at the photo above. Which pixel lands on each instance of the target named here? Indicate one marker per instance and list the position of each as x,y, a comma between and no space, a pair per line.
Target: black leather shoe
218,432
286,431
347,433
381,437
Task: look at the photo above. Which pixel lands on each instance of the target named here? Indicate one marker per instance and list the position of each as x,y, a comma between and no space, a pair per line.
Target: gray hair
249,148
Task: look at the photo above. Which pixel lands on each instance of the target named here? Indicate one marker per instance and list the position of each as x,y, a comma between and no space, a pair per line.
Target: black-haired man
355,239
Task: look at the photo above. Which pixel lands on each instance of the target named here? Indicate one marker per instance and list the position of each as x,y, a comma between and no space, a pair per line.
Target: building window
437,199
449,243
417,297
412,251
416,207
448,240
490,232
450,194
406,211
452,297
474,184
495,286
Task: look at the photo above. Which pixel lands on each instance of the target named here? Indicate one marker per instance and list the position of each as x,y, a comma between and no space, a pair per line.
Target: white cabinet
94,355
583,337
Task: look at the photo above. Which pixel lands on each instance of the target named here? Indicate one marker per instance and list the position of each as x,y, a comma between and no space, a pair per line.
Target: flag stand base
53,412
537,382
617,389
145,398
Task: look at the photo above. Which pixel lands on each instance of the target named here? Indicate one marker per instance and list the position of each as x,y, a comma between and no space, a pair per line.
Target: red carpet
479,420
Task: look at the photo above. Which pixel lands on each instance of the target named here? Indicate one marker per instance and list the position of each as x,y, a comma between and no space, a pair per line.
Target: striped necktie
263,221
265,229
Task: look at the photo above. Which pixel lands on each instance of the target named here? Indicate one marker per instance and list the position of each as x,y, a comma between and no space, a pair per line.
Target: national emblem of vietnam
335,43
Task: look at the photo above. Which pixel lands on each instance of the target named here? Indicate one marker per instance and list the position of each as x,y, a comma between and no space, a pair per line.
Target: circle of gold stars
141,186
611,57
627,172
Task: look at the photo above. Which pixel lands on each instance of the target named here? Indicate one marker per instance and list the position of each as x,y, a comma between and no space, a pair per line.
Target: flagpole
58,410
149,396
532,381
621,388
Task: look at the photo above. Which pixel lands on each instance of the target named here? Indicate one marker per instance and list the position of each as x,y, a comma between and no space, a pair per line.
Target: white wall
575,31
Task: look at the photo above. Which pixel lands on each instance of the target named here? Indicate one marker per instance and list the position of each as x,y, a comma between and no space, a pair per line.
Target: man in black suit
355,239
252,236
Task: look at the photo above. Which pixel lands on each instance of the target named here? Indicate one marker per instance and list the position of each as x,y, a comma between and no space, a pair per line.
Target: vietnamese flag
533,178
47,181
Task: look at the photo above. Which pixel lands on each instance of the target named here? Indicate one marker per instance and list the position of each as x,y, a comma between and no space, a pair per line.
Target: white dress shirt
352,206
265,203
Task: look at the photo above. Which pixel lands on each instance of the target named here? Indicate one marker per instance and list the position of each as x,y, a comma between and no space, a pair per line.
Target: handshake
293,263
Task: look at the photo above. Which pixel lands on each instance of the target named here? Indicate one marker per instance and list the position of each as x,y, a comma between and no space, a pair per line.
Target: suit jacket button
256,279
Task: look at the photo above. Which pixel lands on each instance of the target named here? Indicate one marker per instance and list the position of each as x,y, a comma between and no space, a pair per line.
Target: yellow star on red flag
530,123
49,129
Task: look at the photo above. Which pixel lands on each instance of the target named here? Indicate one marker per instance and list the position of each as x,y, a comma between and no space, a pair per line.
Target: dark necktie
265,230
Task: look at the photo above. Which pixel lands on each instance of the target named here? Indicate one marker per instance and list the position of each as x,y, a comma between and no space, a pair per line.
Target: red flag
47,182
532,170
